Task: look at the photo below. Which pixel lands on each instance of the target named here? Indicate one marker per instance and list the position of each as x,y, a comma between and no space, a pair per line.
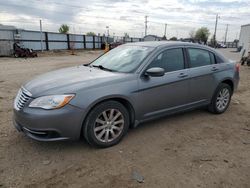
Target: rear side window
170,60
199,57
219,59
212,57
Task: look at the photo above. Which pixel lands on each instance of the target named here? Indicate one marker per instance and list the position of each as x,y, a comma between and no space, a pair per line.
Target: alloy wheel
222,99
109,125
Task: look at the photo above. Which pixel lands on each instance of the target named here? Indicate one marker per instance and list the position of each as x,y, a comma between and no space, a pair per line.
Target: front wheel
106,124
221,99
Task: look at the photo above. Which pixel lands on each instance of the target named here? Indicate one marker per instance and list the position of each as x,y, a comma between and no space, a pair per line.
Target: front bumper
50,125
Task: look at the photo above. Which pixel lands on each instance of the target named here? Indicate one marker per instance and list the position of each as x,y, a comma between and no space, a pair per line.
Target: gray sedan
131,84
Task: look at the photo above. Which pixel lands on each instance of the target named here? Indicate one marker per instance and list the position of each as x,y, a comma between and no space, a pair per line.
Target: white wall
244,40
6,42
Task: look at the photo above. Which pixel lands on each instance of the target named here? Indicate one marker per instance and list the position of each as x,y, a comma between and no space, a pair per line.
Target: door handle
214,69
182,75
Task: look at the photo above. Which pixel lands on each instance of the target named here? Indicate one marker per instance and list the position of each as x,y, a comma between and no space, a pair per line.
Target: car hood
69,80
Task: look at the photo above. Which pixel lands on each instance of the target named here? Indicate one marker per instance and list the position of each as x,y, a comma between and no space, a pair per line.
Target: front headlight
51,102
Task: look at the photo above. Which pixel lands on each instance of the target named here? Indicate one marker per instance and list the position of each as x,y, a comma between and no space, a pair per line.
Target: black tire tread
212,107
94,113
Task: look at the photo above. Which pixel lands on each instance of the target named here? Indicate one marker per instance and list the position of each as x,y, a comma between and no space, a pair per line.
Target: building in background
6,39
244,41
152,38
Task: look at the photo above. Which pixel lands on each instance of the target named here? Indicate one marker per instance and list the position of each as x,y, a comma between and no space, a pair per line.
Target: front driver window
170,60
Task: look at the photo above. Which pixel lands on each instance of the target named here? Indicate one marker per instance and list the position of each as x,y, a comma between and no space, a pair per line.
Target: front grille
23,96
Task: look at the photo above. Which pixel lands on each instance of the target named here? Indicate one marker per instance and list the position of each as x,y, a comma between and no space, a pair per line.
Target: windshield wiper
86,65
103,68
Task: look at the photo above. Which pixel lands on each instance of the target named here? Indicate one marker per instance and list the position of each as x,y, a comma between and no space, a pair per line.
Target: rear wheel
248,63
221,99
106,124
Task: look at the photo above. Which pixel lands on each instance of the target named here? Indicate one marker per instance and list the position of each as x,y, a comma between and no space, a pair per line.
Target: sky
128,16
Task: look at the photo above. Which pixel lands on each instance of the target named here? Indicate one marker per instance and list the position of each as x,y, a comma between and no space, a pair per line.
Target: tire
97,124
248,63
16,55
221,99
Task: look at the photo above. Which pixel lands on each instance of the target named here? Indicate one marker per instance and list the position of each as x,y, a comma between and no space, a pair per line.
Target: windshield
122,58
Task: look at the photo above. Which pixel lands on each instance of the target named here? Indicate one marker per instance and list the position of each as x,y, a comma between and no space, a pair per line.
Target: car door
201,69
158,95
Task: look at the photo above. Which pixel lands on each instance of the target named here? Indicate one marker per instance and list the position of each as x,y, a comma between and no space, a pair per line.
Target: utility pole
146,25
165,31
41,35
107,37
215,29
107,27
226,35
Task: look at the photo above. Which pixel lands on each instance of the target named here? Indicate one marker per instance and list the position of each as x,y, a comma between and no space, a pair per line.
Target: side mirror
155,72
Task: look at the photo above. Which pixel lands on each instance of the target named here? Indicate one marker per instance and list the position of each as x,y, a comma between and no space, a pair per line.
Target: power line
67,13
44,7
86,15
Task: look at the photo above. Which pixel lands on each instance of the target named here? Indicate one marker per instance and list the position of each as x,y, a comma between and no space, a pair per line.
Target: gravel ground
193,149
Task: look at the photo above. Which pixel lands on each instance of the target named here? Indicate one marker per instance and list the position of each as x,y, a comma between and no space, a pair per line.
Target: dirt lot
195,149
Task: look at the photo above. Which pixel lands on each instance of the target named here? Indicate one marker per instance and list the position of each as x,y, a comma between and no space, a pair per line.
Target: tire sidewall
91,119
221,87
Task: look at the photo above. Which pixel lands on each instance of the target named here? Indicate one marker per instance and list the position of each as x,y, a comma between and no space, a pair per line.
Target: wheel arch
124,101
229,82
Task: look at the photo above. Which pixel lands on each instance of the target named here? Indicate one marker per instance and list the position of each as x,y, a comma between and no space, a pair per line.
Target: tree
202,34
90,33
173,38
126,35
192,34
164,37
64,28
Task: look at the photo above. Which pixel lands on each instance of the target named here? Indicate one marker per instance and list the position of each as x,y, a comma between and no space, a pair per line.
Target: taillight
237,67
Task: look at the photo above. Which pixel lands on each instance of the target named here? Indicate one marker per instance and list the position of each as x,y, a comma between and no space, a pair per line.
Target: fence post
68,42
131,39
100,42
46,41
93,42
84,41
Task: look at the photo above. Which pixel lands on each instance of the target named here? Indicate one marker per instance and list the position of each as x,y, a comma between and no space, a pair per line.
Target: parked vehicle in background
23,52
220,45
114,45
130,84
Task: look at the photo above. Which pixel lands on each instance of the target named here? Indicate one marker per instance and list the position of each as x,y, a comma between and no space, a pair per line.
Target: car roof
156,44
163,44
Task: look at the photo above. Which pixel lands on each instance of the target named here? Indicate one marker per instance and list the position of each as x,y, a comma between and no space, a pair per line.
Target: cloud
122,16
